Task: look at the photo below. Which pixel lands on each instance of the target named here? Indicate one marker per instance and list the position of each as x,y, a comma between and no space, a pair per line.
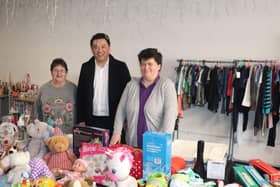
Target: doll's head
80,165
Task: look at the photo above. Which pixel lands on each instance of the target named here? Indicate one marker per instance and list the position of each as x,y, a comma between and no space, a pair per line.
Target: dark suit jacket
118,78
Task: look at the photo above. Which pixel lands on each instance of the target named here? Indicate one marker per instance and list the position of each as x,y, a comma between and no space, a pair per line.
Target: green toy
157,179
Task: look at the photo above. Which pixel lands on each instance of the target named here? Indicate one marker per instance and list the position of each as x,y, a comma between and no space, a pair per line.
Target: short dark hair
150,53
100,36
57,62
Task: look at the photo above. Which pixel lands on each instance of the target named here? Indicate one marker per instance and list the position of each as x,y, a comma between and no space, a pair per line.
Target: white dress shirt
100,85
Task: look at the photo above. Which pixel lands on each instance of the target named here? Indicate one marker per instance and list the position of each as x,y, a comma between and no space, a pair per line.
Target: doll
78,168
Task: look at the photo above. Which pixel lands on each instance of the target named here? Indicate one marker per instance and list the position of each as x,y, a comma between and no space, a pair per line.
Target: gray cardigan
160,109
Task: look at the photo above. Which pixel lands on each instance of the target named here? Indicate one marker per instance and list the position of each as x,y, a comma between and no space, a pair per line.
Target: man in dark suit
101,83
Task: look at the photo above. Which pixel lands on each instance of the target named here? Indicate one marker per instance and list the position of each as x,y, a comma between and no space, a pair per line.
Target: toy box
271,171
86,134
243,177
157,148
255,175
96,158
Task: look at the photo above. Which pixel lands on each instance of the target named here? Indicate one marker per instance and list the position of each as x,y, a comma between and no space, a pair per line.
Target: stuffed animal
78,168
60,156
179,180
38,131
39,169
8,134
5,166
19,161
81,182
119,164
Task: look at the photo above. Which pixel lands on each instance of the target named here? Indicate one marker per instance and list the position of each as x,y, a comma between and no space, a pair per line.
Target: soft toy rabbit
21,169
119,164
38,131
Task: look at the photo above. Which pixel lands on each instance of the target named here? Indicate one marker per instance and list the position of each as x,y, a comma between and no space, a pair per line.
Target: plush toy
81,182
19,161
38,130
119,164
39,169
60,156
179,180
8,134
157,179
5,166
78,168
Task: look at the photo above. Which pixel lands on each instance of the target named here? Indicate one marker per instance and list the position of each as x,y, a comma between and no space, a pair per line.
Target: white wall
33,32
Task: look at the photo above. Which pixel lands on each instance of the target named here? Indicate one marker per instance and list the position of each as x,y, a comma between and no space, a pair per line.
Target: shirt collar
155,81
106,64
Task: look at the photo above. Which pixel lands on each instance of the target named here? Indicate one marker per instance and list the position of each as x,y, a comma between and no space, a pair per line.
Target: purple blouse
143,97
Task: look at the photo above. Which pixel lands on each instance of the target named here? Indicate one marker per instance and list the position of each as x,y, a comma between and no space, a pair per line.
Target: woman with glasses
56,101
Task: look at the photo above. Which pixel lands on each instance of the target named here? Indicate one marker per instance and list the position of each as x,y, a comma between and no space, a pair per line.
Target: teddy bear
20,167
81,182
38,131
60,156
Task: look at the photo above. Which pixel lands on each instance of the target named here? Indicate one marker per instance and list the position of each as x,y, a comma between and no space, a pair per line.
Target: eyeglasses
59,71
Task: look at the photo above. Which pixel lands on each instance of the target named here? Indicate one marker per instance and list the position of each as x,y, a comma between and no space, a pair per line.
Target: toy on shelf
119,164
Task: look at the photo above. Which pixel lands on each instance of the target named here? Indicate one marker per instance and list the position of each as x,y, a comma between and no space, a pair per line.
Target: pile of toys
46,159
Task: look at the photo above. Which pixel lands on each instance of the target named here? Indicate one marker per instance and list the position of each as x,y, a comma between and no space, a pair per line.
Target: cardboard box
216,169
243,177
156,153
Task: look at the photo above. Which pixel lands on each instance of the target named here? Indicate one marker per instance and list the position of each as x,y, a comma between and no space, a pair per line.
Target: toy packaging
243,177
137,165
96,158
156,153
271,171
86,134
256,176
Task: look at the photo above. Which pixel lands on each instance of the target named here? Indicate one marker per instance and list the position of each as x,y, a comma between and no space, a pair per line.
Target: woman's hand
116,138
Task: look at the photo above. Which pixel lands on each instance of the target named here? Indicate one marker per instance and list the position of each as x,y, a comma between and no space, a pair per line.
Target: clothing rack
234,62
203,61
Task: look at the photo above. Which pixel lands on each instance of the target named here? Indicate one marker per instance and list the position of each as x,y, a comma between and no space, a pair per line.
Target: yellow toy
41,182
